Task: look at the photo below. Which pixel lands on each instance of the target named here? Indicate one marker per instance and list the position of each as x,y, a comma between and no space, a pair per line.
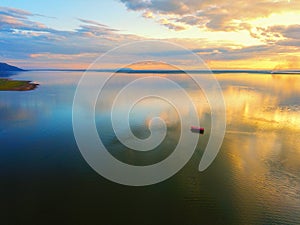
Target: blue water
255,178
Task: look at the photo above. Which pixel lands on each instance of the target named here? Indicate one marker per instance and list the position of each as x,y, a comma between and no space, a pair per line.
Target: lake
255,178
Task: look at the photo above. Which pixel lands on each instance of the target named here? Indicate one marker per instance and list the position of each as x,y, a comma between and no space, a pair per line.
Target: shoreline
16,85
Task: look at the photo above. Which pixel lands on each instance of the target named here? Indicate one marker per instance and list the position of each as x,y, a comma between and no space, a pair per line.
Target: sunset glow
244,35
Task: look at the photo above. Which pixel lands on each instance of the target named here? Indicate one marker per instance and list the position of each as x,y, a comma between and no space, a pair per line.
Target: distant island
6,84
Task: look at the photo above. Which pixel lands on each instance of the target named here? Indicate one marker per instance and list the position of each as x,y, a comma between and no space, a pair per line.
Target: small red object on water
195,129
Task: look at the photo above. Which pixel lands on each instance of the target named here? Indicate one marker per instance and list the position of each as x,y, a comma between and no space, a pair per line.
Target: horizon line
156,71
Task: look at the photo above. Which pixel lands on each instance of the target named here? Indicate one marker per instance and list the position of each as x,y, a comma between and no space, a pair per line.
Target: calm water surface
255,179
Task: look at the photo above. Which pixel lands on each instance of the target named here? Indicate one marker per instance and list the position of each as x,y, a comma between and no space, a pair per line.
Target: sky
240,34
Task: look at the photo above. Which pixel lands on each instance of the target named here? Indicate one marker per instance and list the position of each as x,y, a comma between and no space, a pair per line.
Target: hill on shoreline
4,67
7,84
7,70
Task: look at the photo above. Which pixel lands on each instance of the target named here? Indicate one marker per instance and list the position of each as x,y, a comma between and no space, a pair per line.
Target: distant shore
158,71
16,85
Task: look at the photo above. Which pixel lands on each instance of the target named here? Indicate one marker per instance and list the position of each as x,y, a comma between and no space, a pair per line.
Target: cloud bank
213,14
26,42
